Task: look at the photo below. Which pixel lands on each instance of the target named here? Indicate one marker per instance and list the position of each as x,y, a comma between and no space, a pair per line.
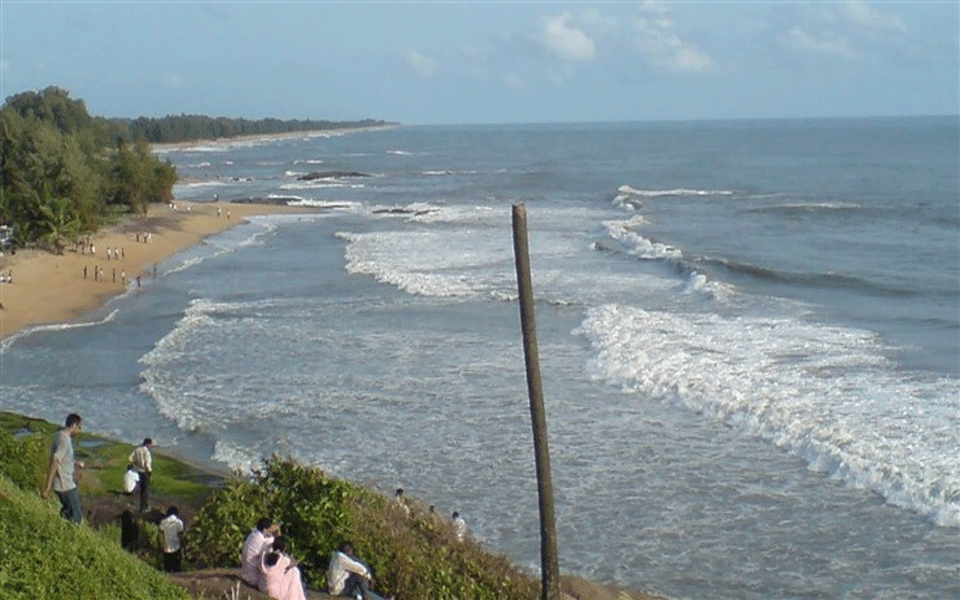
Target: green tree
60,223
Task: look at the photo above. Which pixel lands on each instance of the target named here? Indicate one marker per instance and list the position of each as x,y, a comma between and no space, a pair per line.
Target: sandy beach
48,288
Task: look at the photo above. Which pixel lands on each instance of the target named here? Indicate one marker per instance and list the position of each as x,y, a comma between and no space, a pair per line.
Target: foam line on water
826,394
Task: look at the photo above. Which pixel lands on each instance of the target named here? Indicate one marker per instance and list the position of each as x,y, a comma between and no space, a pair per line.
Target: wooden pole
550,568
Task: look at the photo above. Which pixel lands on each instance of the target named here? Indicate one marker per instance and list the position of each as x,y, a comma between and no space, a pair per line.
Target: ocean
748,337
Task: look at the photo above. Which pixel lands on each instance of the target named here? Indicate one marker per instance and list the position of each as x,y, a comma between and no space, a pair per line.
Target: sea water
748,338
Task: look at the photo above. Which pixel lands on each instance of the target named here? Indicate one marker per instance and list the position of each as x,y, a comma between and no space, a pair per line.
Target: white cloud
421,64
512,80
663,47
566,41
861,14
825,44
172,81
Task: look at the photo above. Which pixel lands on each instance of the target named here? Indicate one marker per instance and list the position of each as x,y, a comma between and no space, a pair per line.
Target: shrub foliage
414,554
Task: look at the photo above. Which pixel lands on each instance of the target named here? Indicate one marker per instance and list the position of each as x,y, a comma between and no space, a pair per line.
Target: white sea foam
624,231
201,184
826,394
415,264
8,341
328,204
319,184
627,191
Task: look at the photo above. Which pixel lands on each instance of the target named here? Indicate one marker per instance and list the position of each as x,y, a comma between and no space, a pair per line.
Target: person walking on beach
171,527
258,541
142,461
60,472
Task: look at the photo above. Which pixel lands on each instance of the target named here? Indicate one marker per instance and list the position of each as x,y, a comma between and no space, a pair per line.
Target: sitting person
256,543
279,575
130,480
347,576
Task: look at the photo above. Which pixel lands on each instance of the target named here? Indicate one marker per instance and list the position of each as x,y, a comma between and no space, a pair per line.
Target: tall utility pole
549,563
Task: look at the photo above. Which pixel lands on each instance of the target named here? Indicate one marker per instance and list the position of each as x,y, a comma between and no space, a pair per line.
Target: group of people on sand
267,566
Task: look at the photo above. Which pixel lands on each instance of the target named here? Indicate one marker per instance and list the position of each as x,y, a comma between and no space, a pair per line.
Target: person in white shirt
349,577
459,526
171,527
258,541
143,463
130,479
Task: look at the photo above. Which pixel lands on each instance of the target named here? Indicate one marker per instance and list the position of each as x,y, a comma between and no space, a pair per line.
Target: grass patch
48,557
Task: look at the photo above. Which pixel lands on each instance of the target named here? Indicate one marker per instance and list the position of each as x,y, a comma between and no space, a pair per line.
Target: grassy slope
44,556
87,560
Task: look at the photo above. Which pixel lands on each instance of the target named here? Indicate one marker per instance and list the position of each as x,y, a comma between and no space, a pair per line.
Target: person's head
433,508
399,492
130,467
346,548
454,515
280,544
73,423
264,524
147,442
173,511
271,558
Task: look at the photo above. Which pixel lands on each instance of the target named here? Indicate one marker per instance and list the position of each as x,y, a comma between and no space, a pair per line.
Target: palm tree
60,222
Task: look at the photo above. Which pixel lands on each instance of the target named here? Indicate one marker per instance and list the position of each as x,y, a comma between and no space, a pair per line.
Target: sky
488,62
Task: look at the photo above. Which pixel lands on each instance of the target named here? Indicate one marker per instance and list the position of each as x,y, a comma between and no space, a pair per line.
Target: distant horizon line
684,120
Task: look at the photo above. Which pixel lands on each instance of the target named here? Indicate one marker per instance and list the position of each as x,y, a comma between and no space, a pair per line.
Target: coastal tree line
65,173
185,128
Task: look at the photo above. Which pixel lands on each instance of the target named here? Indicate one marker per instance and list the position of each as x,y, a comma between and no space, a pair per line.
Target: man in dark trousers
60,472
142,461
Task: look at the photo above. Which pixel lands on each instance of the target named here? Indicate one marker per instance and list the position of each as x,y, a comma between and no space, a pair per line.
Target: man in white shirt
259,540
349,577
143,463
171,527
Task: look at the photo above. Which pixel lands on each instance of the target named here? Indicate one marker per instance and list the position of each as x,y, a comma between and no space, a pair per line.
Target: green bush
24,461
415,556
45,556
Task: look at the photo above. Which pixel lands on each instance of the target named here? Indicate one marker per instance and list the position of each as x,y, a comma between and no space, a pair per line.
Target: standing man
60,473
143,462
171,527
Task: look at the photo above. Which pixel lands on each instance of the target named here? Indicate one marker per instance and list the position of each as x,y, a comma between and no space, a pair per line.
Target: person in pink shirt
256,544
279,574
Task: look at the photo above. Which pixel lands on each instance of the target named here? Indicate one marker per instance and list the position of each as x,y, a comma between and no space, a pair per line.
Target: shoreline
257,137
49,289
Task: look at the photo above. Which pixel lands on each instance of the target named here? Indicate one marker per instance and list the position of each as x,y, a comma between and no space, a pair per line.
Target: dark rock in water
280,200
330,175
401,211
